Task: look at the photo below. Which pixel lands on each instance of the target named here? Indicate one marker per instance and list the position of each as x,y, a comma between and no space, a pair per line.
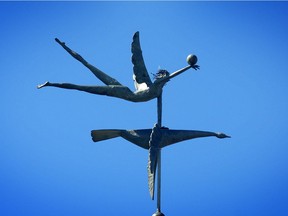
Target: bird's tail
99,135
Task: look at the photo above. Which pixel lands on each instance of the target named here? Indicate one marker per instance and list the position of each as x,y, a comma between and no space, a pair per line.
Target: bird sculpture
153,140
145,89
141,137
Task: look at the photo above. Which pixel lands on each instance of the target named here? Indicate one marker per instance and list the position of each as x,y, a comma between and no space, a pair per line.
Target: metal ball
192,59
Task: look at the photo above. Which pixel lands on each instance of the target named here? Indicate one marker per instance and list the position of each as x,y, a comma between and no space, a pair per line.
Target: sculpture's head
222,135
161,74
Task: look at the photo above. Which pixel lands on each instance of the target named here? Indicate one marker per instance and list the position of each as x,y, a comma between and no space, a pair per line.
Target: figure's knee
120,91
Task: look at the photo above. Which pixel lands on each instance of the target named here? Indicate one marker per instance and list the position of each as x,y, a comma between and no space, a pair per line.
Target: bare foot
42,85
222,135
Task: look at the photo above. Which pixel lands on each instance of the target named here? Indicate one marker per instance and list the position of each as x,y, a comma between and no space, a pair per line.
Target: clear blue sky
50,166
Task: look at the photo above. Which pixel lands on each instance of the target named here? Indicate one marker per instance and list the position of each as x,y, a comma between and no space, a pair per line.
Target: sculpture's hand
196,67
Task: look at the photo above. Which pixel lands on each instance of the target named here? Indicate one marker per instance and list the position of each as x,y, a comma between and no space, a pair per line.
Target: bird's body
141,137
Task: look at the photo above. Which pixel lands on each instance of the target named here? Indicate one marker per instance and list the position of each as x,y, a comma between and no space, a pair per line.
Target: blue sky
48,162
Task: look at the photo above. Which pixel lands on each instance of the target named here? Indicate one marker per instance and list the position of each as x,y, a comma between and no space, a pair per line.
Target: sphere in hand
192,59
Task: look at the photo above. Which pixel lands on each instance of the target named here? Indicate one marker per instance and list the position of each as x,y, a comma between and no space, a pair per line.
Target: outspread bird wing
154,143
141,76
99,135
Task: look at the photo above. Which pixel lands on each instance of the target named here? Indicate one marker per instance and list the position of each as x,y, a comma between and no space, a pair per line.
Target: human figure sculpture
145,88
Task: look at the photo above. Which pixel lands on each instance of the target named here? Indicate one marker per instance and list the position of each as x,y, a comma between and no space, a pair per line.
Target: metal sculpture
145,88
141,137
151,139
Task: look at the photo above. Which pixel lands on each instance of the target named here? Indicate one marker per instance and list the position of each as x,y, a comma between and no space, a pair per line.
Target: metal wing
154,143
141,75
151,169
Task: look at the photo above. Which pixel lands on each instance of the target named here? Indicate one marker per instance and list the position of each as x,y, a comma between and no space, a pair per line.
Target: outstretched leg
98,73
117,91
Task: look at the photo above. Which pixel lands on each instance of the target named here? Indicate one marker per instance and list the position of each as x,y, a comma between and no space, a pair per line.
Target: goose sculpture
153,140
141,137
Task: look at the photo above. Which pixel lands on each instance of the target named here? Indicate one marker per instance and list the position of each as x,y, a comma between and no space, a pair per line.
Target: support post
159,122
159,110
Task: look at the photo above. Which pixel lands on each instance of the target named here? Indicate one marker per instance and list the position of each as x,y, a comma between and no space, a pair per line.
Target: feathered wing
99,135
151,170
154,143
141,76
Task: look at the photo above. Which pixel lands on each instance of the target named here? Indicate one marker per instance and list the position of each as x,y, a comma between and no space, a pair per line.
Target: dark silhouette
142,137
145,88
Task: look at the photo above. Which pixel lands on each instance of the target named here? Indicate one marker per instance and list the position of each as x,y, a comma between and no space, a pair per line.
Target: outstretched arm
174,74
191,60
98,73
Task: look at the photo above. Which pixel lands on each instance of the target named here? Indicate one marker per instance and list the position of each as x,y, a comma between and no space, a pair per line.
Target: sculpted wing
154,143
141,76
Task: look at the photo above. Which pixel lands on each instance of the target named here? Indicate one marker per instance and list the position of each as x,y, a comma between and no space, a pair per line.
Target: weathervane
151,139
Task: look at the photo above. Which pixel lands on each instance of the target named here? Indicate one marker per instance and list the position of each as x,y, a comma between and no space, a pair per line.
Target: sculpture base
158,213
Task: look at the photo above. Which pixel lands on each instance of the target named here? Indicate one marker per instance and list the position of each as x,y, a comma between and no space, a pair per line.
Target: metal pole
159,122
159,110
159,182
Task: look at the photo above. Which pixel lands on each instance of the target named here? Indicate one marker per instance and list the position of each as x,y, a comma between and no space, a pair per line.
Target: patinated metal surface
151,139
141,137
145,89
